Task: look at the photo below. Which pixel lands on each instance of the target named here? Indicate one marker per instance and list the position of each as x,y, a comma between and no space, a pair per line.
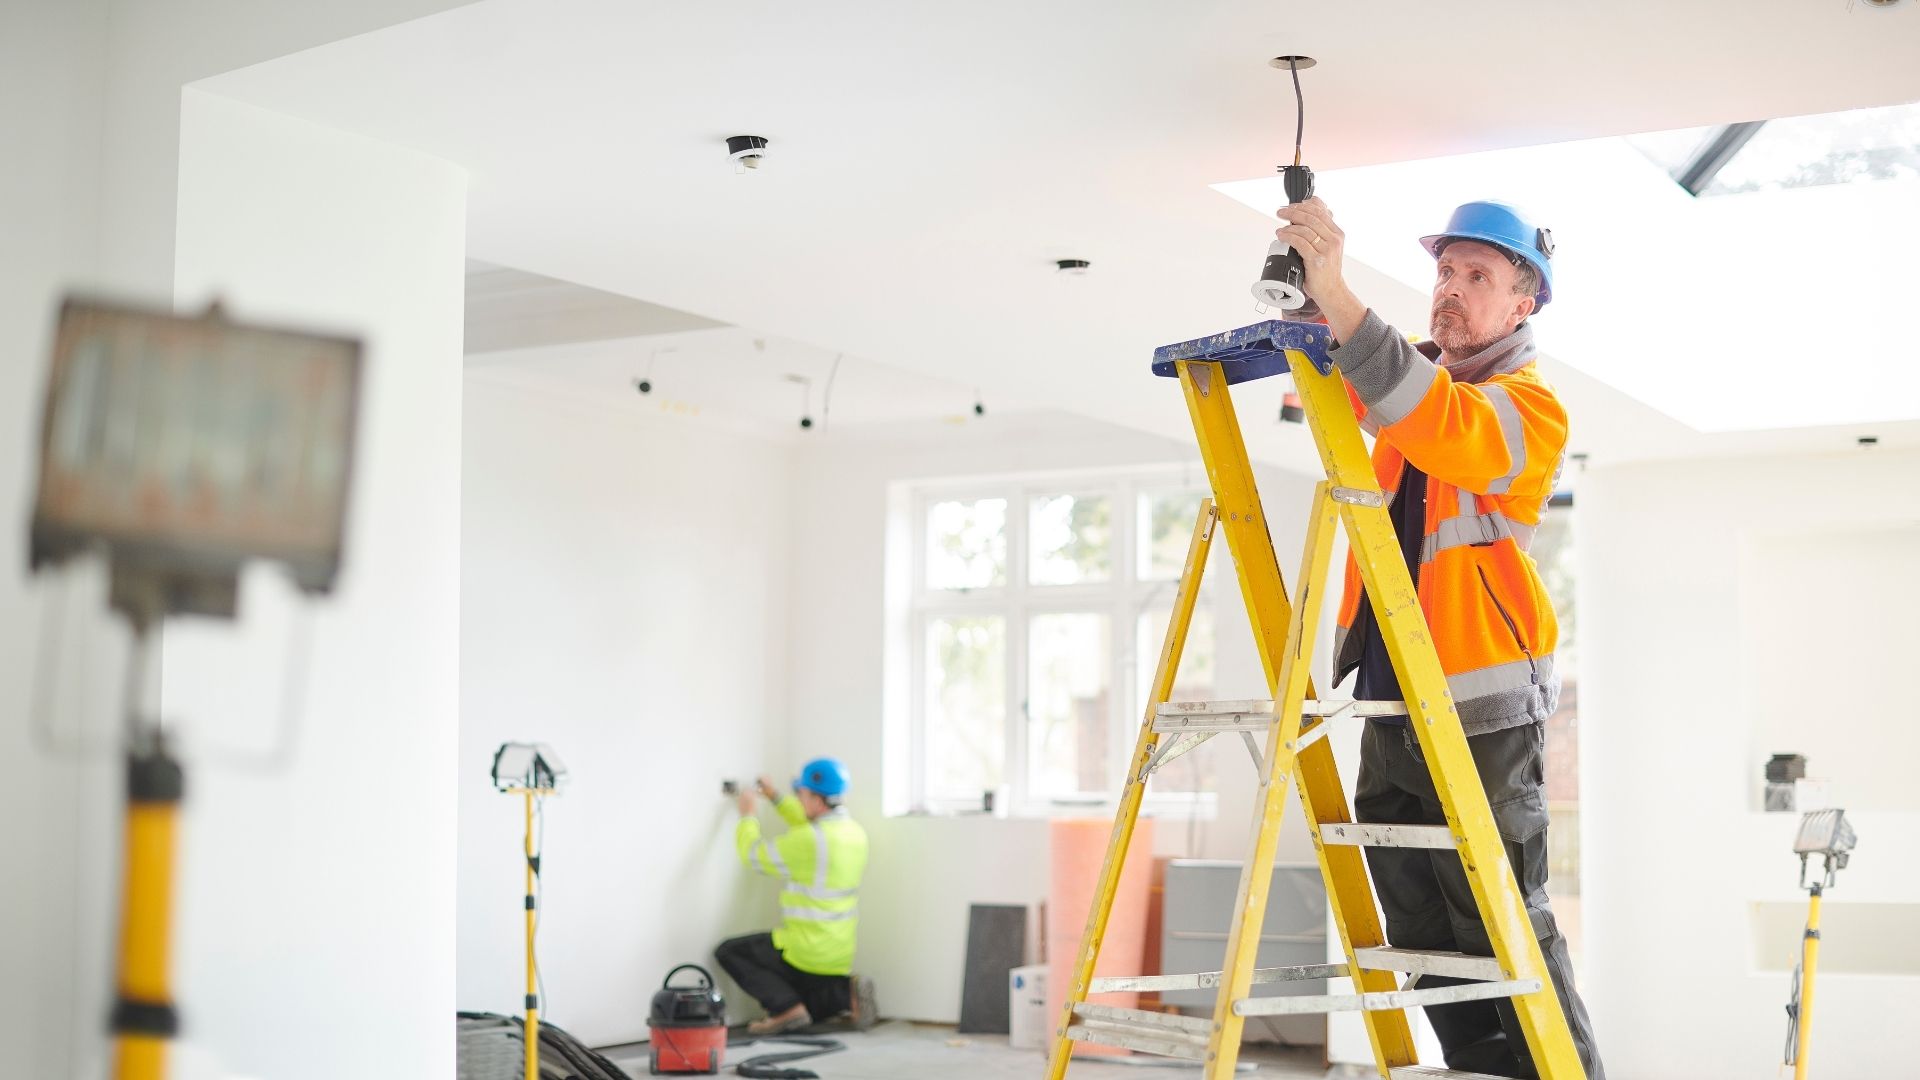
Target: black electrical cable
1793,1012
826,396
1299,110
1282,280
769,1066
540,898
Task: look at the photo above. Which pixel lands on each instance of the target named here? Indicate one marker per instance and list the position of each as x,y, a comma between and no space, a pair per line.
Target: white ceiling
512,309
741,379
929,162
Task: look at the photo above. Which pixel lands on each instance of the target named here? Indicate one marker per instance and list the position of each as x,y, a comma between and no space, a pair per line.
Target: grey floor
897,1050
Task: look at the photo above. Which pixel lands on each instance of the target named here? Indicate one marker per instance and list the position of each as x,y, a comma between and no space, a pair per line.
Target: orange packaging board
1078,847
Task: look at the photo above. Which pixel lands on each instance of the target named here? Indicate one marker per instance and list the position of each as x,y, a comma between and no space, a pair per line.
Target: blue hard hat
1504,227
823,776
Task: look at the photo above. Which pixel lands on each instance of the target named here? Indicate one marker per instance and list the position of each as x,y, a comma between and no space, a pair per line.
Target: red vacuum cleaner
689,1025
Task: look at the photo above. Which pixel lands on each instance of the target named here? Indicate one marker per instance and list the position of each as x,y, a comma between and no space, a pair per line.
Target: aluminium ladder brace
1294,724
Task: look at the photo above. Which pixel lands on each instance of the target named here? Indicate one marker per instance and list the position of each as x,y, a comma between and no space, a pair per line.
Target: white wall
325,889
155,47
1869,588
925,871
1674,853
51,71
90,104
624,599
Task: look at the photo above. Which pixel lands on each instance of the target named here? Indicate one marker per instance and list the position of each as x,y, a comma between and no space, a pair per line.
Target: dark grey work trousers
1429,905
765,975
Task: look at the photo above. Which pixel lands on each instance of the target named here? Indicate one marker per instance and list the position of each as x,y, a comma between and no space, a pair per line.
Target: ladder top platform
1251,352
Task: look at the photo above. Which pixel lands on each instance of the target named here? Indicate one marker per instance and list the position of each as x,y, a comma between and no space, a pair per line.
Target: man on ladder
1469,442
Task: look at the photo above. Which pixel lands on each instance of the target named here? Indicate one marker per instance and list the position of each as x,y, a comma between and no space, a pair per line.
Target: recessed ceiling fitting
746,151
1283,276
1076,267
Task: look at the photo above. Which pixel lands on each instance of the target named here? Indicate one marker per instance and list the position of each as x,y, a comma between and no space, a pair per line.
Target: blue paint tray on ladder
1251,352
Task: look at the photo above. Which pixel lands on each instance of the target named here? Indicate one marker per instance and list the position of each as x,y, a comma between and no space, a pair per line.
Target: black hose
767,1066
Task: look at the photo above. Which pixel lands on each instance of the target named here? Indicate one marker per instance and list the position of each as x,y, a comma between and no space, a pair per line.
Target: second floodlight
527,765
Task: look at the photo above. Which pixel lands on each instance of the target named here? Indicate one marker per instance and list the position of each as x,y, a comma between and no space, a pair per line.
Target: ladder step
1361,834
1433,1072
1385,999
1129,1040
1166,1034
1256,714
1088,1012
1206,980
1431,962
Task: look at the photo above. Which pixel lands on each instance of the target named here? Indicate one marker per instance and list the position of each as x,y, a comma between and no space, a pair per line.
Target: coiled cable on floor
768,1066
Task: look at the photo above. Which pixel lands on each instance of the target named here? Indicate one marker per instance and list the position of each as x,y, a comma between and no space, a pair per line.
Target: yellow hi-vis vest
819,864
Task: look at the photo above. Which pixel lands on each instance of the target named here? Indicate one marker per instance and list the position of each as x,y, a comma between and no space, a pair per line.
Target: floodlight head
184,447
1824,832
527,765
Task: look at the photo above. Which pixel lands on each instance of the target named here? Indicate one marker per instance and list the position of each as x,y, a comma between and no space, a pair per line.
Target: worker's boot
792,1020
866,1011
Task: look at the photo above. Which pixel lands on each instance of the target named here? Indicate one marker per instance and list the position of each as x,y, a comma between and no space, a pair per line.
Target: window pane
1068,720
1831,148
1192,681
1672,150
1166,528
967,544
966,706
1072,539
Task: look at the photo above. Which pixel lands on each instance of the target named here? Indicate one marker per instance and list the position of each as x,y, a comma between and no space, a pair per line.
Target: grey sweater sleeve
1387,372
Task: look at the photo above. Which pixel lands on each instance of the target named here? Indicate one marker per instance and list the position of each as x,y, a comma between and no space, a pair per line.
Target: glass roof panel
1830,148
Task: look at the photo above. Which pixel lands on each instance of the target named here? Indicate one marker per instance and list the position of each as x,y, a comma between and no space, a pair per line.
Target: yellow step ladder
1294,725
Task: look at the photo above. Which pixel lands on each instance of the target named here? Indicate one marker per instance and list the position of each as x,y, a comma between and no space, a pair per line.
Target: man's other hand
746,802
771,793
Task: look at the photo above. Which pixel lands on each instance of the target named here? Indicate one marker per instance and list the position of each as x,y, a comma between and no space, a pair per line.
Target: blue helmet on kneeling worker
1505,227
825,777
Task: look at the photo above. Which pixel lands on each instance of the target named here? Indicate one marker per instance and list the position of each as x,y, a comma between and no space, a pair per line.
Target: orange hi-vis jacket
1491,437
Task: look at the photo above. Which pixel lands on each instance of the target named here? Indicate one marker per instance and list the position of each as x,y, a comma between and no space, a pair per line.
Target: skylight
1691,305
1798,151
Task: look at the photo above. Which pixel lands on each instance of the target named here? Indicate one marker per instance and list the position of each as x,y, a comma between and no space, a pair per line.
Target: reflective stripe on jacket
1491,437
819,864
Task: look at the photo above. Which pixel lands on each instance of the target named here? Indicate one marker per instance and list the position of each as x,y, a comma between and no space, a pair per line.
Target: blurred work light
533,766
185,446
1825,832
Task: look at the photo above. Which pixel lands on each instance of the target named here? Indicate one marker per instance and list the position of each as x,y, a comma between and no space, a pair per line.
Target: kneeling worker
801,972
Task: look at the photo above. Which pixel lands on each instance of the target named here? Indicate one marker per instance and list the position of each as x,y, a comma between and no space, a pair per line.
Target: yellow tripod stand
1294,725
533,772
144,1019
1827,834
531,1032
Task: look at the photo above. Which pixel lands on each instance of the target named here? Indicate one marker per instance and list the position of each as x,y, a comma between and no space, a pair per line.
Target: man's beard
1454,337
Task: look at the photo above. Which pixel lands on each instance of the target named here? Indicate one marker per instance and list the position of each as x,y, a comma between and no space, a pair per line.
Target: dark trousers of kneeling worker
1429,905
756,964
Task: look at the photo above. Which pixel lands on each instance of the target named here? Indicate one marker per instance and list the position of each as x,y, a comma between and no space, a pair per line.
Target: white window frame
1122,600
